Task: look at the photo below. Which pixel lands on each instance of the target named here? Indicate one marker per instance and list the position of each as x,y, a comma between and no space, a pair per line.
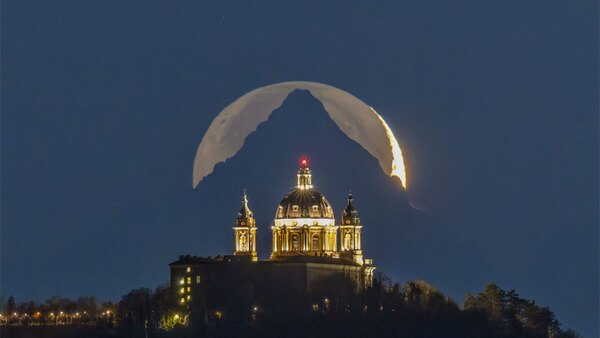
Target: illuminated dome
307,203
304,201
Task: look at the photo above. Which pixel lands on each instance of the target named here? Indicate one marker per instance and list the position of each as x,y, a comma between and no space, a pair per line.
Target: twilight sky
494,104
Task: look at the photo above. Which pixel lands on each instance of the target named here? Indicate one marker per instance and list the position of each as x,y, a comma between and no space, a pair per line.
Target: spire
304,176
245,211
350,213
244,231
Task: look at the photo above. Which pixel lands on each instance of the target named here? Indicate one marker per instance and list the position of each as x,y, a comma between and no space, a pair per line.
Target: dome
304,203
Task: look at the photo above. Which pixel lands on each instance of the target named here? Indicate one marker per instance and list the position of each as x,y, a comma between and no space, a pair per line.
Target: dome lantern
304,176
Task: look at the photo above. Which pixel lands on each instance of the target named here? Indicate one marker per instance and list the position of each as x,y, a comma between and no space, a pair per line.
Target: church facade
307,246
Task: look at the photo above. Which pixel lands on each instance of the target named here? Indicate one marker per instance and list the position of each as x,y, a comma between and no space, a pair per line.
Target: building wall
222,281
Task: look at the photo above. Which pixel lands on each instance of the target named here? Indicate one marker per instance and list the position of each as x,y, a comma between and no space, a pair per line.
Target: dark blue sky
494,104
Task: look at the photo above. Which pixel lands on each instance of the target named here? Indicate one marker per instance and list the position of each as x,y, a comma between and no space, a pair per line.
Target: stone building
304,249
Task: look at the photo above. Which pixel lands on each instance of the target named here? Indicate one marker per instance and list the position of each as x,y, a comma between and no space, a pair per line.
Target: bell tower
245,232
350,227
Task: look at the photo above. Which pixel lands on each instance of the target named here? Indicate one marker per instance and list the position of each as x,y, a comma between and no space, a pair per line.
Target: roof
187,259
308,203
315,259
194,260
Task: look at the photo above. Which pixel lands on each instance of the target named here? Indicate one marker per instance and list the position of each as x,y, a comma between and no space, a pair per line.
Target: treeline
333,309
88,305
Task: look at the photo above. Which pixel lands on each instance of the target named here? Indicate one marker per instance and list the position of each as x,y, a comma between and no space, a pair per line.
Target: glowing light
397,169
304,161
176,316
255,308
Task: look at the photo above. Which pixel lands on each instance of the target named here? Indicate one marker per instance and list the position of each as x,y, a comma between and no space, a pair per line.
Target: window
243,242
182,290
347,241
182,281
189,297
198,279
295,243
315,243
189,289
315,208
189,280
188,269
182,300
294,208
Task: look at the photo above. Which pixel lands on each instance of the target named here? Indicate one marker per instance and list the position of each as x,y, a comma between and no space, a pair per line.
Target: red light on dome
304,161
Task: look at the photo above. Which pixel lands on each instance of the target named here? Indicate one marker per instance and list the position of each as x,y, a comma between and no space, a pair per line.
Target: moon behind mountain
360,122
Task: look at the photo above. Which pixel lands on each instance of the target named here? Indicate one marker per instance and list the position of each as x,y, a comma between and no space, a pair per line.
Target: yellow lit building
304,248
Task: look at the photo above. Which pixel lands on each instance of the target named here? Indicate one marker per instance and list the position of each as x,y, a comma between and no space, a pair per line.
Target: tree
10,305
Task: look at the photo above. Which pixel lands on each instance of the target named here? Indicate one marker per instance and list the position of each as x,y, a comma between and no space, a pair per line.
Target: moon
357,120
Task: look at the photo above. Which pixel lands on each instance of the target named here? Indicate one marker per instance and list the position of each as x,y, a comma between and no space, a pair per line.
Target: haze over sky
494,104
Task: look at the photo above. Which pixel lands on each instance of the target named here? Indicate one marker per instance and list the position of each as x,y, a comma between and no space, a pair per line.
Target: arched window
295,243
315,243
242,242
347,241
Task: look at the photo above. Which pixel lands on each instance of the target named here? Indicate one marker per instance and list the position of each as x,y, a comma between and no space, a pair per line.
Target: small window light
189,297
197,279
188,269
182,290
189,280
189,289
182,281
182,300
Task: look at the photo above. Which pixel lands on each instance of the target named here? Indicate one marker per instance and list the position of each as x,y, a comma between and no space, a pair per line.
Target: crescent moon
360,122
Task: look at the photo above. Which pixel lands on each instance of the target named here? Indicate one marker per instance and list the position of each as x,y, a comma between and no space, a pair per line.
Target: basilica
304,247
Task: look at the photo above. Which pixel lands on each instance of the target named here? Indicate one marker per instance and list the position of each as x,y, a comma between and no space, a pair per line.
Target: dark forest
332,309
